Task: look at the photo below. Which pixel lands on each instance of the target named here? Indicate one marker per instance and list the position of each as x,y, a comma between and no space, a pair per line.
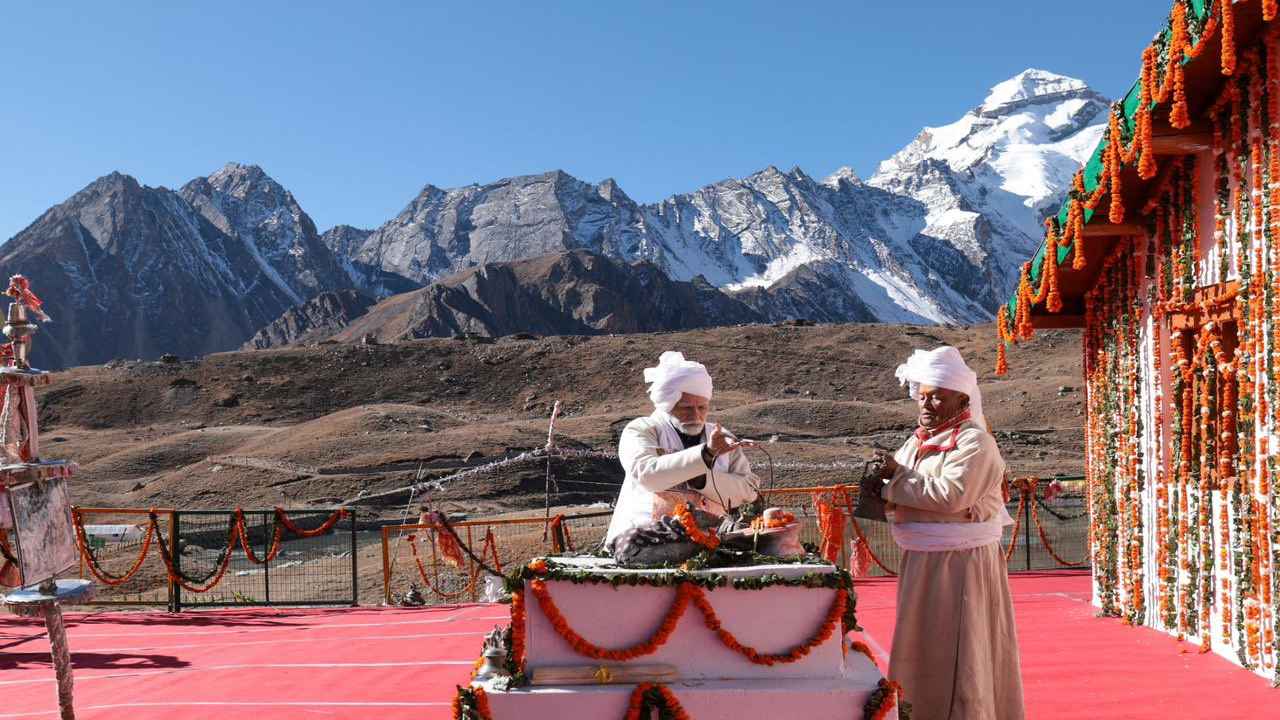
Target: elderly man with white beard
674,455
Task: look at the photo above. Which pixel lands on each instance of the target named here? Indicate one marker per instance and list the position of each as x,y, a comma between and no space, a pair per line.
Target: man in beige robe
955,646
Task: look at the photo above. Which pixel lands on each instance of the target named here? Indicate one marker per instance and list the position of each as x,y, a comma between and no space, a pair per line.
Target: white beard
691,428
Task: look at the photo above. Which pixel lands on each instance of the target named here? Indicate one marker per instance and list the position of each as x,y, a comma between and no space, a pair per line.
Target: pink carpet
400,663
1076,665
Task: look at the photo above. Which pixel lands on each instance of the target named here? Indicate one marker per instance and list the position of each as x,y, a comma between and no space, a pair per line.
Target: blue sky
355,106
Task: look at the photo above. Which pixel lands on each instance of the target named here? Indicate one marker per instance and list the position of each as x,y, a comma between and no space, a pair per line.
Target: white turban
943,368
673,376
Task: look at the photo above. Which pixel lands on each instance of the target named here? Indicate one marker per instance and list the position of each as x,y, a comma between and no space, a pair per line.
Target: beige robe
955,646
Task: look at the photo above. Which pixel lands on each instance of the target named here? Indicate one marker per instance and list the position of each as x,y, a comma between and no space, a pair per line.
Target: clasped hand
887,465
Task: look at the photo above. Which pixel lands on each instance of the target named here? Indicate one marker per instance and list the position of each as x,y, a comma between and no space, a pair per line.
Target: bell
494,657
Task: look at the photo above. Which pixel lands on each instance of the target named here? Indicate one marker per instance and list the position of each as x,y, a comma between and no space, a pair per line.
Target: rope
521,459
442,524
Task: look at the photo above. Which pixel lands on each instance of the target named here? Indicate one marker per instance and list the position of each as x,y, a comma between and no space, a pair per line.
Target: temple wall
1179,355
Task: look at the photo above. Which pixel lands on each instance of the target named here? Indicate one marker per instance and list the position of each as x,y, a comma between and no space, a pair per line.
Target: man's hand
888,466
721,442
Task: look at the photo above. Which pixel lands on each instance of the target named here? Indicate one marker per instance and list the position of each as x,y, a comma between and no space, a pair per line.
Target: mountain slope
572,293
989,178
133,271
935,236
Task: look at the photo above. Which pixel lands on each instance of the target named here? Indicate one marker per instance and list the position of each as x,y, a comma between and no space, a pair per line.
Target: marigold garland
91,560
647,697
830,529
706,538
1159,84
686,593
883,700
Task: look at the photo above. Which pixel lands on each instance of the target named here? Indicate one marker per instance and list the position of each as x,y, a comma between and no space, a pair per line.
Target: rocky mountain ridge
935,236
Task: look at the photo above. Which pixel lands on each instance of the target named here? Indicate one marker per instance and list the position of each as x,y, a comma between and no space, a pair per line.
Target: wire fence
413,556
1051,531
184,558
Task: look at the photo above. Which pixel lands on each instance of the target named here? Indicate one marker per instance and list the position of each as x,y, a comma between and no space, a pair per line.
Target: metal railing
136,560
412,556
1049,534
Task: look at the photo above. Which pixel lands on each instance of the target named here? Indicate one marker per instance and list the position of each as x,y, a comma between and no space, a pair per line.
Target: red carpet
1075,665
393,663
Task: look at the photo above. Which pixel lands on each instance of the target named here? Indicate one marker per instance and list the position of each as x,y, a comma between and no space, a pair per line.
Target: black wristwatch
707,456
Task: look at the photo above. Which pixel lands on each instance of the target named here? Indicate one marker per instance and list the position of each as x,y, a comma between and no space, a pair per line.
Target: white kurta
655,463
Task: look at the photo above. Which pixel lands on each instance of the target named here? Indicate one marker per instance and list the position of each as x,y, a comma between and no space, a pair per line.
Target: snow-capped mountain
935,236
132,271
988,179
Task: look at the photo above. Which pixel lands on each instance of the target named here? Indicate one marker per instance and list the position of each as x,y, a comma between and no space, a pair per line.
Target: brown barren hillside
315,425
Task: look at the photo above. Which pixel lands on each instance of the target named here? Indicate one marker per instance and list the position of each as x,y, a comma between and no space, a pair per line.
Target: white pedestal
829,698
710,681
771,620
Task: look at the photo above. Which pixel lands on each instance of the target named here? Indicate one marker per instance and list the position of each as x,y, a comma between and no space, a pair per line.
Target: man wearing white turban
674,455
955,646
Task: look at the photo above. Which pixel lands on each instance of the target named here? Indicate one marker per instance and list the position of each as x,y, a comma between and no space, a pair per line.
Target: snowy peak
987,179
249,184
1032,86
843,175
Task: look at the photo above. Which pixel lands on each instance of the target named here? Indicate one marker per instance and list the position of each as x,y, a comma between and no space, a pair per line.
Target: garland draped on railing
236,534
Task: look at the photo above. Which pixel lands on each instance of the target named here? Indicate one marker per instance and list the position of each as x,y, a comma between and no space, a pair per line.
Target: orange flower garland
1004,337
1153,90
795,654
479,698
830,529
636,705
685,594
883,701
82,543
707,539
518,622
861,647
